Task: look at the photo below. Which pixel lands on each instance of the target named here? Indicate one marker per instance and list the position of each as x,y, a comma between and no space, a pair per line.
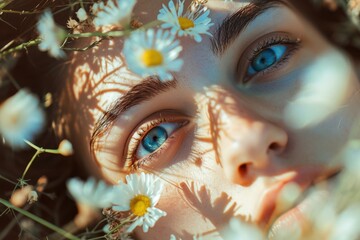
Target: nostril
275,147
243,168
245,178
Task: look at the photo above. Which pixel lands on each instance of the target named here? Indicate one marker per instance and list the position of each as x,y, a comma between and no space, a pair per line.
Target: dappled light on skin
216,210
88,92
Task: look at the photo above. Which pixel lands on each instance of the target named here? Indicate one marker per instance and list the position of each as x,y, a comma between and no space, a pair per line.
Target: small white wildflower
106,228
96,7
65,148
153,53
33,197
240,230
48,100
140,195
51,35
193,22
72,23
115,12
347,224
81,14
21,117
96,195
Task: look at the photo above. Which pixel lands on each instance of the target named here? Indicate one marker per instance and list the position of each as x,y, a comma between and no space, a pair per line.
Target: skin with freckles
229,141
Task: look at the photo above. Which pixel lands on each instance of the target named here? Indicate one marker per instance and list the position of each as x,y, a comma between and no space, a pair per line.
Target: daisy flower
91,193
139,196
21,117
117,12
153,53
193,22
51,35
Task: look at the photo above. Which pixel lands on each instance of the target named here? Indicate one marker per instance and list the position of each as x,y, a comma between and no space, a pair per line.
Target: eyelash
293,44
134,164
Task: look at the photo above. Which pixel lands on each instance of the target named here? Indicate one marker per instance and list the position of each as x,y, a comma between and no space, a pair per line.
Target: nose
249,146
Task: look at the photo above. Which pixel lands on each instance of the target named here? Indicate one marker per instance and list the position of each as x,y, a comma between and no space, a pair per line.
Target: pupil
264,60
154,139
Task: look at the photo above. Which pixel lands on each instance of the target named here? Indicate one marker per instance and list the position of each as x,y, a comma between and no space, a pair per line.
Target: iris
154,139
266,58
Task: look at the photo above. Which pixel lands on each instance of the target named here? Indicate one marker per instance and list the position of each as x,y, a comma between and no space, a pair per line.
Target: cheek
325,114
326,86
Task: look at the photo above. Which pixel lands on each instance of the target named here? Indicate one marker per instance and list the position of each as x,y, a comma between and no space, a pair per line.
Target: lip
268,201
297,217
269,208
268,204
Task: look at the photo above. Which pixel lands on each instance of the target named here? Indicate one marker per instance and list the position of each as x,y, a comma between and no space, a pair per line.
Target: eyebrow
233,25
144,91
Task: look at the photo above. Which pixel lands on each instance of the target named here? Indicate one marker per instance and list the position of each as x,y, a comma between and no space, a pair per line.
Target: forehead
104,66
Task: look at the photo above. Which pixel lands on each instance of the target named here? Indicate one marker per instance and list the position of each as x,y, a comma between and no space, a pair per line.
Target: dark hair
335,20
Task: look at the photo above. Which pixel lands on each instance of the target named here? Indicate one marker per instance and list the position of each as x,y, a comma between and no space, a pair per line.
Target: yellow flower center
185,23
139,205
152,57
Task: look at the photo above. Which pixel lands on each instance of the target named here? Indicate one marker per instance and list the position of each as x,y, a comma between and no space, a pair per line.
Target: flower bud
32,197
65,148
20,196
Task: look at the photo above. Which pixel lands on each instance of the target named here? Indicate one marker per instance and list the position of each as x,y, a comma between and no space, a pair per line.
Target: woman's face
265,102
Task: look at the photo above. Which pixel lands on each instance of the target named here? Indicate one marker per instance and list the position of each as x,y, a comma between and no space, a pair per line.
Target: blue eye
266,58
155,138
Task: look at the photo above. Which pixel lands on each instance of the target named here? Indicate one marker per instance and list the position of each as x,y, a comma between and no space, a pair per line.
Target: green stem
12,80
6,179
113,33
18,12
21,47
93,44
32,145
121,224
39,220
29,164
96,34
100,237
39,150
42,150
79,35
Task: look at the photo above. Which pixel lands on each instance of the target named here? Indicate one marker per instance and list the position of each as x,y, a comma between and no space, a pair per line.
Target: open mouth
297,218
277,217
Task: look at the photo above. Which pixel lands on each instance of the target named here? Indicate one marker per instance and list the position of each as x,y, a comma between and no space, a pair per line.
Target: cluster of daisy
127,205
147,51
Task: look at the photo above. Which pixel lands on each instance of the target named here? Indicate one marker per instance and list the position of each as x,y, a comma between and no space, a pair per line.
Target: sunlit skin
232,145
